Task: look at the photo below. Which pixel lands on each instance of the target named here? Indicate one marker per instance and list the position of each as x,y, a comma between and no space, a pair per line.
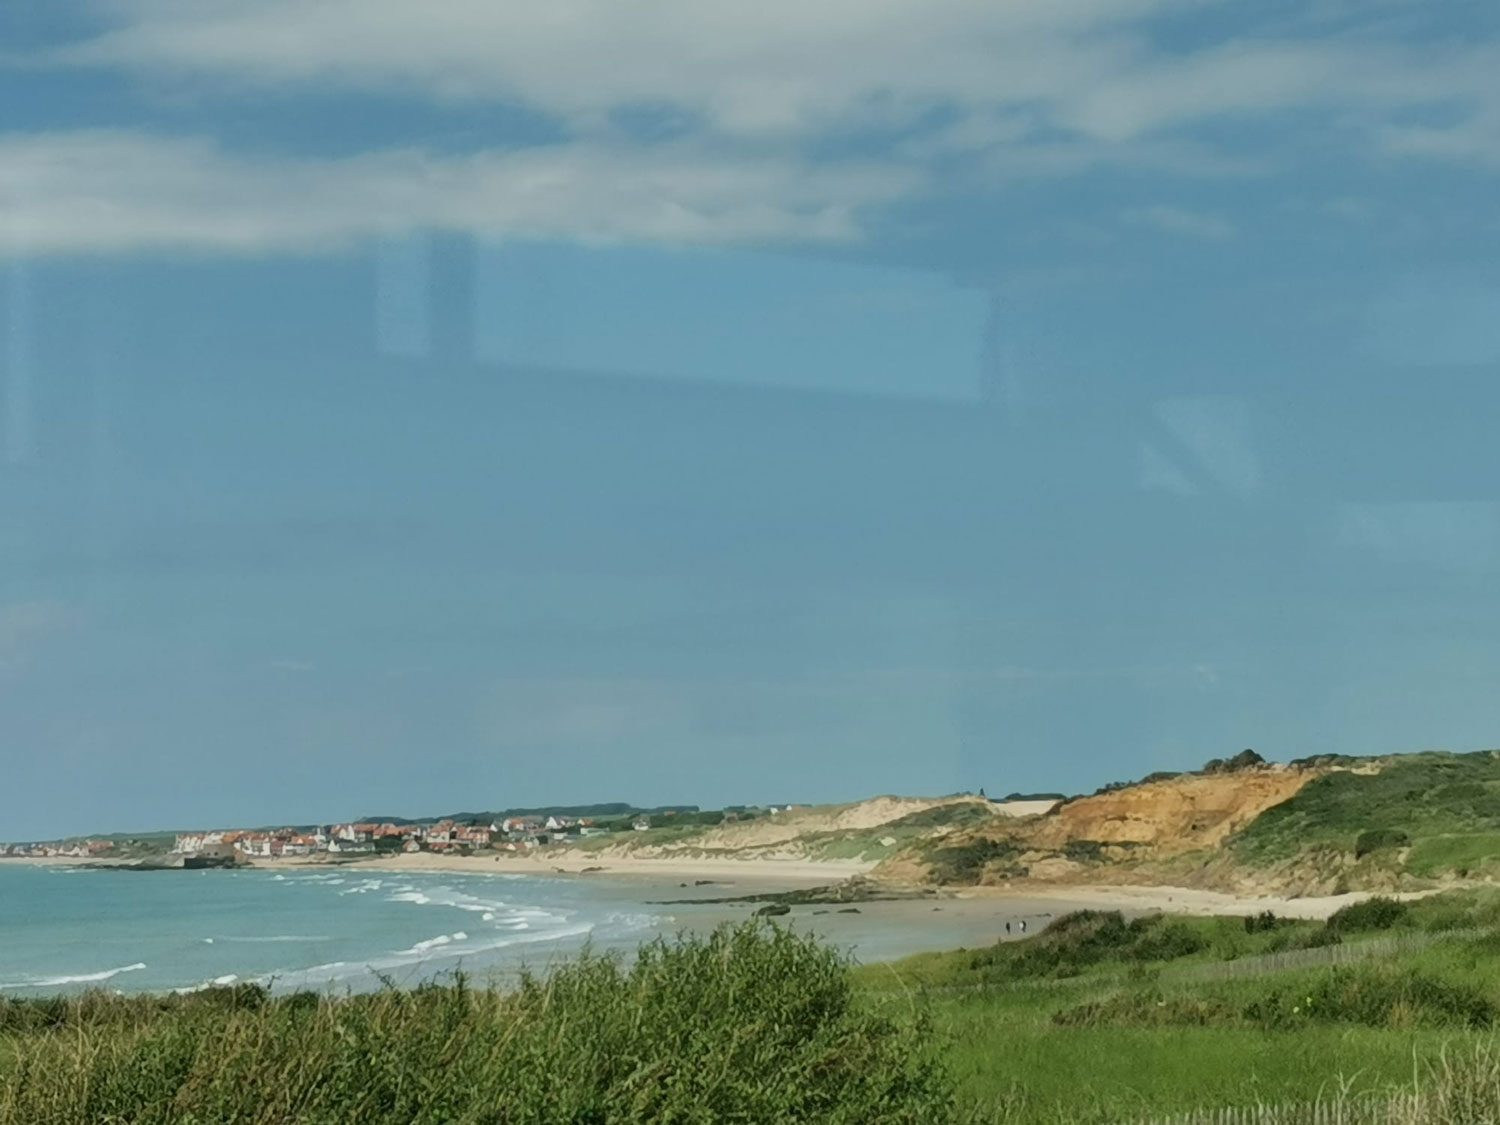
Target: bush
1378,913
965,863
1376,997
1317,938
1378,838
958,814
1084,851
752,1023
1244,760
1369,997
1084,938
1263,922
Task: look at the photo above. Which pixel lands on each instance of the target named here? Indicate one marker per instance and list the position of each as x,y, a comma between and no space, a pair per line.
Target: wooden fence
1344,954
1398,1109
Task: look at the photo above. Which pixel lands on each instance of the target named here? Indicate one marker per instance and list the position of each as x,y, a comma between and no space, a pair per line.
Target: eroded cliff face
1160,831
1168,817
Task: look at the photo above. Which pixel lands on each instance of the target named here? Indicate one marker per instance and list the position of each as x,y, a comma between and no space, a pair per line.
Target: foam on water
267,939
75,978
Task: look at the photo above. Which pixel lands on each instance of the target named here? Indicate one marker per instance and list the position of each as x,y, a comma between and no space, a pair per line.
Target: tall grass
1454,1090
750,1024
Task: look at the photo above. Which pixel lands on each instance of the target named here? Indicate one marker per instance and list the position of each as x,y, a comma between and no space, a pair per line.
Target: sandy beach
764,873
795,871
1177,900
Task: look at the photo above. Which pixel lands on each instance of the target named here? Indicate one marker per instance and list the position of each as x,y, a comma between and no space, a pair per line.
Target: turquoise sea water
66,928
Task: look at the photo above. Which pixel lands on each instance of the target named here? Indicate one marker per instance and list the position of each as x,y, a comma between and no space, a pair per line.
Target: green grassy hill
1415,817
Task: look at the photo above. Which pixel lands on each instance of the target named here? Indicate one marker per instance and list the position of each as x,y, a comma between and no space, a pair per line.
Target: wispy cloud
86,192
782,67
942,94
769,67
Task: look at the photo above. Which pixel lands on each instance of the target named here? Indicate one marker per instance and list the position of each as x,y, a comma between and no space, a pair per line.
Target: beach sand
797,872
771,873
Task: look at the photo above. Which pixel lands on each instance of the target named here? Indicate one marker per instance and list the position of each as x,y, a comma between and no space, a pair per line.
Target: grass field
1096,1019
1116,1030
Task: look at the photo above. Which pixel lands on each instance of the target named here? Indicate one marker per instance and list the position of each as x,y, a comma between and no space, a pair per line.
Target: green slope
1426,815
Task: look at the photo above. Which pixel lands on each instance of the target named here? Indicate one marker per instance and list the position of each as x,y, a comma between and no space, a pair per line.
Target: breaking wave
78,978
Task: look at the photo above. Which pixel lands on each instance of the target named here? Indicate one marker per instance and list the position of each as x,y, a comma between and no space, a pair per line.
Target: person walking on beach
1007,927
1023,925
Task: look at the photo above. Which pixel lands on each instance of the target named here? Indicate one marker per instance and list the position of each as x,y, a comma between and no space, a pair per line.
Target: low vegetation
1099,1018
751,1024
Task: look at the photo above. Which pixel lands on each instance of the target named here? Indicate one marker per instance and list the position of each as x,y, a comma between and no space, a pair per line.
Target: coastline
685,895
665,877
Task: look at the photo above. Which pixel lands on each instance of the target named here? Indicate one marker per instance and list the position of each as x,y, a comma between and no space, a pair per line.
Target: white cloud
786,67
87,192
991,92
1180,220
770,66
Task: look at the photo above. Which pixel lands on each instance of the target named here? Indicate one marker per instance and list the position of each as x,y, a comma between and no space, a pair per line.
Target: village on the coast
515,834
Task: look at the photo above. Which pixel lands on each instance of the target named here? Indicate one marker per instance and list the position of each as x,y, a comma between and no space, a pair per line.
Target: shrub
1368,996
965,863
1317,938
1375,997
1378,913
1244,760
1083,938
1377,838
1035,797
1084,851
752,1023
958,814
1166,942
1263,922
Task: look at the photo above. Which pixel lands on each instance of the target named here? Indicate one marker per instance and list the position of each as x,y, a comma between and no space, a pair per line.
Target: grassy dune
1426,814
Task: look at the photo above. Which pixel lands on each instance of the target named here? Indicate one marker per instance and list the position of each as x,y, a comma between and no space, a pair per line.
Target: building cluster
512,834
71,849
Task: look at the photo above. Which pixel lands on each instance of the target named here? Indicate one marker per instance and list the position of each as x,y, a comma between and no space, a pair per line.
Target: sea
69,928
350,928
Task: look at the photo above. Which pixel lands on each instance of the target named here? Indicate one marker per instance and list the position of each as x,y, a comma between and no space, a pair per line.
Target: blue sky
414,407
